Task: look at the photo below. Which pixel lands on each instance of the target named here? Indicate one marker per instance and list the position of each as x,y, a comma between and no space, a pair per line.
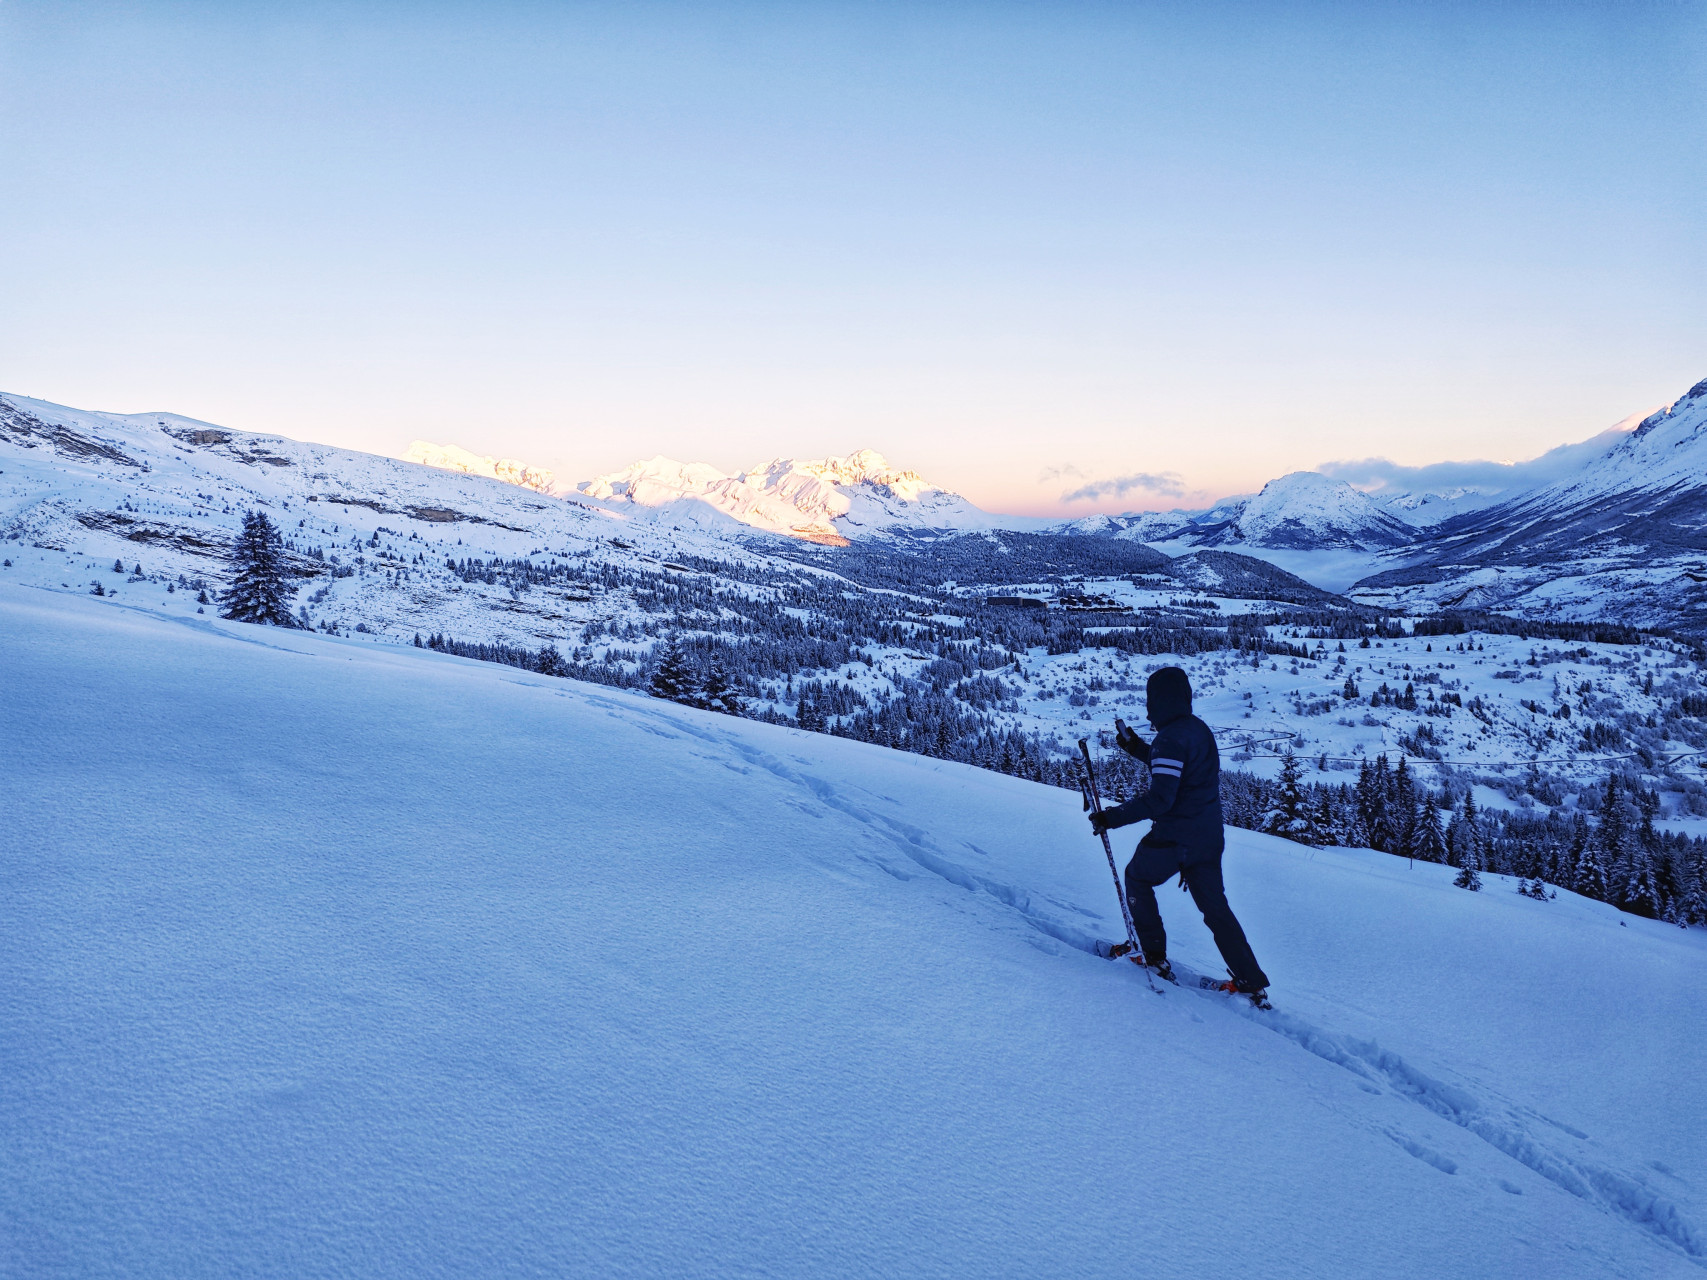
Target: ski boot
1258,996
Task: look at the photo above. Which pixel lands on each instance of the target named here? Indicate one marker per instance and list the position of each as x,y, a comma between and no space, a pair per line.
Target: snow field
322,958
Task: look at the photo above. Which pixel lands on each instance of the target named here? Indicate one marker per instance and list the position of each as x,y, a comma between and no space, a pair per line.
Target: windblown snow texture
320,958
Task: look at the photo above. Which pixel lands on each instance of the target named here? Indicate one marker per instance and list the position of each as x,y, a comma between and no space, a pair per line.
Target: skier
1185,836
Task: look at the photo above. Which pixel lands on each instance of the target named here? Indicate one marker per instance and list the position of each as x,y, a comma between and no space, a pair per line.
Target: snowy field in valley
328,958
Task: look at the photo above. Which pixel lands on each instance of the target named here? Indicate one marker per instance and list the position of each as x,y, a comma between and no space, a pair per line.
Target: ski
1182,976
1202,981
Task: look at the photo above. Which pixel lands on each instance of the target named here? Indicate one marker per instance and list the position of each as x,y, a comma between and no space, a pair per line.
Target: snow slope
450,457
82,488
325,958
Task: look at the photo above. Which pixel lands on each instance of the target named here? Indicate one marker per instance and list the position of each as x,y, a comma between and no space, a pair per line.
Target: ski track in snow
1476,1109
1502,1126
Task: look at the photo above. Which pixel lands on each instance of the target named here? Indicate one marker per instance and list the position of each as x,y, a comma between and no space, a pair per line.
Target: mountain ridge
1620,535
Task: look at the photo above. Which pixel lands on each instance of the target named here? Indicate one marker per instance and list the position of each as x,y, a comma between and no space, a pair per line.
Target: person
1185,836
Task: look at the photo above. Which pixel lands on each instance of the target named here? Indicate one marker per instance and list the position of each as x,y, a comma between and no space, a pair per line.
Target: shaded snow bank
321,957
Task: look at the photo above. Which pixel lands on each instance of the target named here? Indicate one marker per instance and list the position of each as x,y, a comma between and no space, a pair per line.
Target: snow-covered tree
675,678
260,589
1324,817
1428,841
1288,816
719,694
1403,821
1464,845
1588,869
1690,906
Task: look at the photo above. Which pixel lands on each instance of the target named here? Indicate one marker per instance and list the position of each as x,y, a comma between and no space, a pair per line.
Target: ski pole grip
1090,776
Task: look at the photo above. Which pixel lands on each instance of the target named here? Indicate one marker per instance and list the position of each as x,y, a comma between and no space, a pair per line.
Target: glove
1128,741
1101,820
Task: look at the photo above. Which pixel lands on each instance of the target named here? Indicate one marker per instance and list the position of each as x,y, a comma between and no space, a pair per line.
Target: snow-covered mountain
1307,510
450,457
1616,531
1611,527
828,500
1303,511
1429,495
1623,536
1424,507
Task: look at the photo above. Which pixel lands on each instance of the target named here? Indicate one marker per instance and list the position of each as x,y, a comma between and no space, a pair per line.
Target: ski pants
1154,863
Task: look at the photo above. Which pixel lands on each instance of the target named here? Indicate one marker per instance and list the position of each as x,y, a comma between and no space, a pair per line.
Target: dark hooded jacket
1184,799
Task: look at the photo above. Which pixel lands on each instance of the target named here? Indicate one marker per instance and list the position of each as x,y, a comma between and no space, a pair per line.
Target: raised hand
1129,742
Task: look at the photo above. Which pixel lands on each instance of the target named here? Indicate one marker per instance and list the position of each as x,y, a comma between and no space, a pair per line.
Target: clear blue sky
1021,248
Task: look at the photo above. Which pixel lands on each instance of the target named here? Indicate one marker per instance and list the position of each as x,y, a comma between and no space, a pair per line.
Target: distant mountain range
1624,536
828,501
1613,527
834,500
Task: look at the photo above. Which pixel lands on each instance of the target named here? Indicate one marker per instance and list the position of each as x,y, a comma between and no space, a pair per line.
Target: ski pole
1093,801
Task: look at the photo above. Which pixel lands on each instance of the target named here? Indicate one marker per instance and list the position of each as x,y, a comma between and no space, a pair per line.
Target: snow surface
1668,448
327,958
450,457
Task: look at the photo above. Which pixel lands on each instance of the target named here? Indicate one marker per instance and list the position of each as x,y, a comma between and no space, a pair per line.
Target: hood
1167,696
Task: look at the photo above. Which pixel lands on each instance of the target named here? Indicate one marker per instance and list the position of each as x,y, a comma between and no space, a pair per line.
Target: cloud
1066,471
1167,483
1380,475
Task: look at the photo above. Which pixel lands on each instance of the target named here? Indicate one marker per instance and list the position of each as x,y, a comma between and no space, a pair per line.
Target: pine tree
1613,838
1469,846
720,695
1640,892
1430,842
1288,816
1326,824
259,590
675,678
1572,862
1588,872
1352,833
1404,811
1690,907
1372,802
1464,845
